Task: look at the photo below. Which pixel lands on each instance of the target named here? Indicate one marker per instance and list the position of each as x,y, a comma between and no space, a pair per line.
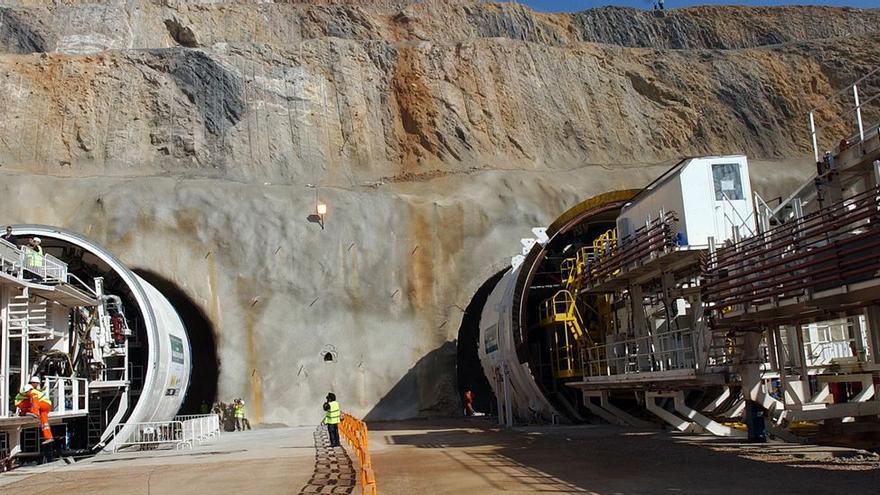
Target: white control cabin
711,196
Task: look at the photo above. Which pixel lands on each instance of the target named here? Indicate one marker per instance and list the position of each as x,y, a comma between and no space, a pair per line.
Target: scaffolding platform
652,380
62,293
847,300
671,261
32,422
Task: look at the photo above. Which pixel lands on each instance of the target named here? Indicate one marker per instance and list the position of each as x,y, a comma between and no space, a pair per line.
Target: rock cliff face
182,135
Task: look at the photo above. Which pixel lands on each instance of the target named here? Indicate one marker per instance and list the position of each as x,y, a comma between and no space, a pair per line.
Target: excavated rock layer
183,135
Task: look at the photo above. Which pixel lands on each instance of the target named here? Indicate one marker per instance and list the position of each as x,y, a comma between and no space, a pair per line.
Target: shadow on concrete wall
427,390
205,360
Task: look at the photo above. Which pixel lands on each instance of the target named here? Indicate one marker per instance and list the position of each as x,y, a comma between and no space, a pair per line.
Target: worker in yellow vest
332,416
241,421
33,401
34,259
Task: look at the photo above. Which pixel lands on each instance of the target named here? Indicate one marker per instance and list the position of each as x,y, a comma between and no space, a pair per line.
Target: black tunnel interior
205,360
470,372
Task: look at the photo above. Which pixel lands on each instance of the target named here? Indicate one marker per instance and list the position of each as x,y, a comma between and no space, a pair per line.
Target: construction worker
468,403
240,420
33,401
35,259
332,416
9,236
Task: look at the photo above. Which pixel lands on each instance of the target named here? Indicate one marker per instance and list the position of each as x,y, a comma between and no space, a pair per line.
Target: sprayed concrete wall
434,158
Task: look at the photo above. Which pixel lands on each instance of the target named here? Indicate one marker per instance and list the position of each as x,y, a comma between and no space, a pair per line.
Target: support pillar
4,352
858,339
872,320
750,372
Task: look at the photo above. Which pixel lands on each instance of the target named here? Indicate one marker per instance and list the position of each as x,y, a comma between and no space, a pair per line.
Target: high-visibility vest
331,417
35,395
239,411
35,257
38,395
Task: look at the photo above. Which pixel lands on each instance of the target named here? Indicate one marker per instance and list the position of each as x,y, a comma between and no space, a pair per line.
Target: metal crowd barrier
355,433
149,435
181,432
199,427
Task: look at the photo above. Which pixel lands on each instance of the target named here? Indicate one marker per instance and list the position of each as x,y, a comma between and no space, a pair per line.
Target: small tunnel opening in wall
328,353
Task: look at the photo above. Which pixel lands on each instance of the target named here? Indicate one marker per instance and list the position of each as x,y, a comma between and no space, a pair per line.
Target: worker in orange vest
33,401
468,403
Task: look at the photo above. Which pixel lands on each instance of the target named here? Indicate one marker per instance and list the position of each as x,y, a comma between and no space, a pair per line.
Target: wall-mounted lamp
321,210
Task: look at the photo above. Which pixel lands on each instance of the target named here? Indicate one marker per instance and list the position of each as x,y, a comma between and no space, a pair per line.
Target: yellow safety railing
562,308
569,340
355,433
603,244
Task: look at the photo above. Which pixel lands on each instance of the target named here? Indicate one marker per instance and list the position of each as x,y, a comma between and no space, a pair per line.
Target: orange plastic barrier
355,433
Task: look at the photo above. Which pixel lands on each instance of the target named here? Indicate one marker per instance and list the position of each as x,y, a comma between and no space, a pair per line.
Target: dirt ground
473,457
461,456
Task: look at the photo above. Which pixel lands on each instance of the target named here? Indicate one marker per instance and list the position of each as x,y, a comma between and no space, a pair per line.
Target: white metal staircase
32,317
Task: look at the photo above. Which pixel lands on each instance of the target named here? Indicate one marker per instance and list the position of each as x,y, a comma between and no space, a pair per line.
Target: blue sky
575,5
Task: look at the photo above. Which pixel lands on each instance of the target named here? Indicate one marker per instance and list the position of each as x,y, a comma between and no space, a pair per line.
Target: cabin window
728,181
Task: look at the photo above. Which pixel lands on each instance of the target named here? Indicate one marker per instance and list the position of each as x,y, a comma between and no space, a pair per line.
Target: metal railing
644,245
199,428
820,354
831,247
860,100
149,435
826,342
68,394
10,257
181,432
557,308
45,266
666,351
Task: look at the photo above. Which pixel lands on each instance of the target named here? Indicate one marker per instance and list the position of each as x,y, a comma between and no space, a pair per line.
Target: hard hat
35,379
37,240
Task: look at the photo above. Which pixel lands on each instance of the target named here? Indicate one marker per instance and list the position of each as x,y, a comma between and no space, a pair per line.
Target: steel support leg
609,412
708,424
719,401
676,422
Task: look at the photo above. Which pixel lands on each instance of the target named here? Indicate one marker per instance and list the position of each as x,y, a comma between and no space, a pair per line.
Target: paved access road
460,456
262,461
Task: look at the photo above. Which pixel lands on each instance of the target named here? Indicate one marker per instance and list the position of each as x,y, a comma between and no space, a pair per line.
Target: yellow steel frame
562,308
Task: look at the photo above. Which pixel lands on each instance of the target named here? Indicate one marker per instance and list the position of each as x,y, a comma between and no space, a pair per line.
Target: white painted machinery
692,299
111,349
